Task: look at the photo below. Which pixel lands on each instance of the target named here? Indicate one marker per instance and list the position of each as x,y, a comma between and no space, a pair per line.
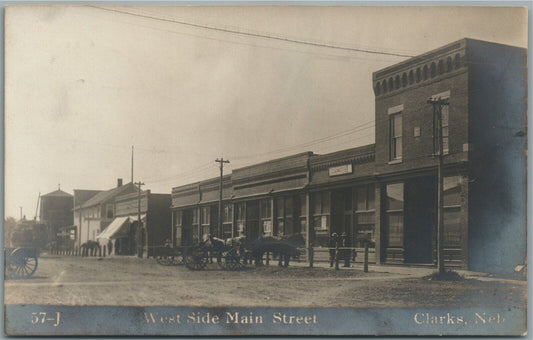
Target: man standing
345,244
332,245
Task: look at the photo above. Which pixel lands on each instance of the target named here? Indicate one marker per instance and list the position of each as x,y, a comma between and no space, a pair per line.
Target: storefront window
365,216
395,196
178,221
452,211
206,215
394,214
265,208
452,191
227,213
452,227
266,217
195,219
321,213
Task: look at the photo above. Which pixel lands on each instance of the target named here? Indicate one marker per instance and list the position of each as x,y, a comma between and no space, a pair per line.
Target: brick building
386,193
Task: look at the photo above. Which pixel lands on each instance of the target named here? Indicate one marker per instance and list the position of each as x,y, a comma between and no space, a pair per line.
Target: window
394,214
449,64
227,213
265,212
365,198
265,209
445,120
195,219
396,136
303,215
240,213
178,218
178,221
321,212
227,220
452,211
206,215
445,117
457,61
365,215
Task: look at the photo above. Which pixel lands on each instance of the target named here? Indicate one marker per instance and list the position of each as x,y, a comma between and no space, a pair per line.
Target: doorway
420,219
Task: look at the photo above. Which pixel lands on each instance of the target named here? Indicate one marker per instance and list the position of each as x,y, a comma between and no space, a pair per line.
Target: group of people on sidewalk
339,249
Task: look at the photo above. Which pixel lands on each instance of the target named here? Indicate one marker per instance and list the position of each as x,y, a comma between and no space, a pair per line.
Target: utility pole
221,161
438,103
132,164
20,213
140,232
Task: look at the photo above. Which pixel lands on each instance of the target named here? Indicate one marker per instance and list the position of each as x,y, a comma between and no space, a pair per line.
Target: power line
256,35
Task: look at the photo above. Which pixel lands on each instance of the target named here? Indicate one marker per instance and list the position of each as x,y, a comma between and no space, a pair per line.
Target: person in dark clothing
332,244
345,243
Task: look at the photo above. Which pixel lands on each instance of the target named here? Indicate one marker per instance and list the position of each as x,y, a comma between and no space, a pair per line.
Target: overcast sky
85,83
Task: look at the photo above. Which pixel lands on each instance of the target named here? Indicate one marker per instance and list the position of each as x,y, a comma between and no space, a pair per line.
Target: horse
284,246
91,247
217,246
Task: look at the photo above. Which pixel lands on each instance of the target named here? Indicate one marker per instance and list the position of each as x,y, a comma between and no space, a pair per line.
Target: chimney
119,182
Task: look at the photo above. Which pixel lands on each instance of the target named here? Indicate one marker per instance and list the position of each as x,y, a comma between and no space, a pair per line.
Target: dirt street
130,281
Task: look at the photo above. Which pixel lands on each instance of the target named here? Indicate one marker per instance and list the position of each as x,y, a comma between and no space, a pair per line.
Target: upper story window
445,121
395,123
110,211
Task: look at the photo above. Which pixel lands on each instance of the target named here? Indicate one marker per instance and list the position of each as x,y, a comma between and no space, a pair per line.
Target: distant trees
9,226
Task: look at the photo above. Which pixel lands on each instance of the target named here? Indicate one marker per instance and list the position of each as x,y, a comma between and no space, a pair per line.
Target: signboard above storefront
340,170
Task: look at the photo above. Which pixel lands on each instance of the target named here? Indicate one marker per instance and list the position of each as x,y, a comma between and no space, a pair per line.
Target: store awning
114,228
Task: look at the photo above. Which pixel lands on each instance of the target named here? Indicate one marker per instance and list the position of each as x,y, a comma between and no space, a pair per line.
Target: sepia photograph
265,170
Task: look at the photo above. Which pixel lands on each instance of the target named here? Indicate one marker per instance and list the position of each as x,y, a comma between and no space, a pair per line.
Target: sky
185,85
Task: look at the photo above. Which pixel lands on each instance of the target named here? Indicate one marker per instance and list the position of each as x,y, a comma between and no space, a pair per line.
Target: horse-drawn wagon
21,262
21,259
234,253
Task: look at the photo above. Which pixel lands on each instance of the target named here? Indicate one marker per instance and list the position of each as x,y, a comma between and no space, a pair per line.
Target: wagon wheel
232,260
164,261
176,260
20,265
196,259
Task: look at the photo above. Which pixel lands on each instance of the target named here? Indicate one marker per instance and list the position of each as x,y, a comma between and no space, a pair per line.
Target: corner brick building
386,193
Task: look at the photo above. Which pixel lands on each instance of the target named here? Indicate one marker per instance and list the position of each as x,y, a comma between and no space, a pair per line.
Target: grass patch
449,275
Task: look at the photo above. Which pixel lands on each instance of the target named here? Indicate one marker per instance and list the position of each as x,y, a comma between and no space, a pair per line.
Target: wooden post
337,255
311,256
366,257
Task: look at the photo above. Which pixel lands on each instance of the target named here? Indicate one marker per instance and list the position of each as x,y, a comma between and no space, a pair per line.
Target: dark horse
285,247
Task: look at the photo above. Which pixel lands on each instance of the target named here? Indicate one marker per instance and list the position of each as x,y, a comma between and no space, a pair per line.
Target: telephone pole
140,232
221,161
132,164
438,103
